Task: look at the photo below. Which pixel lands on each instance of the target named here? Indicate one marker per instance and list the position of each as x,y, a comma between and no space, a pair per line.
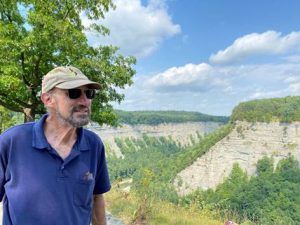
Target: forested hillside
270,197
267,110
158,117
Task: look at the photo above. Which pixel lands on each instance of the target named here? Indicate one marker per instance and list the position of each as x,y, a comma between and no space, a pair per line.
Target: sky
205,55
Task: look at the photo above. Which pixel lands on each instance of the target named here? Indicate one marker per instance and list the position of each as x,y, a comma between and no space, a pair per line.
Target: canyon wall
245,145
182,133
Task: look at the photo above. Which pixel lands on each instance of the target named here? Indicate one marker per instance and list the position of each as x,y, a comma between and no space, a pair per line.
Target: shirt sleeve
102,183
3,164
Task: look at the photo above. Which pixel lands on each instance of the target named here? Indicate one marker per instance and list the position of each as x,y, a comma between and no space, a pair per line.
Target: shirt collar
82,143
39,139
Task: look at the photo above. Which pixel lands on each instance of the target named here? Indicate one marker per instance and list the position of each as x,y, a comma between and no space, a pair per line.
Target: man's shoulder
17,130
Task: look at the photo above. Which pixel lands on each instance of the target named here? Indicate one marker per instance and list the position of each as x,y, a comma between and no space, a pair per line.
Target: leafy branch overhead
36,36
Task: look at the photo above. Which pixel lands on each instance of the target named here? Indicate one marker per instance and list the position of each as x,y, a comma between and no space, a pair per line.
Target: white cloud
295,88
291,90
265,94
211,89
188,78
292,79
138,30
267,43
217,87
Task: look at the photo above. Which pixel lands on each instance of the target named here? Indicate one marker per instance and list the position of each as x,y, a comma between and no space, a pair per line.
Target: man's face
73,106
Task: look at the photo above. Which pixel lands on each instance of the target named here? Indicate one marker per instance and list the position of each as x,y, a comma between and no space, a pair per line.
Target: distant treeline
268,110
158,117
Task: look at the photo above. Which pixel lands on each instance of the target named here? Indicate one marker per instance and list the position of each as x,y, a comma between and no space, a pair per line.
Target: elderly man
53,172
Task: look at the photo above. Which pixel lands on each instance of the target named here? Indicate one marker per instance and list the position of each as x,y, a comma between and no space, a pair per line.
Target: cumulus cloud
295,88
292,79
211,89
267,43
137,29
265,94
188,78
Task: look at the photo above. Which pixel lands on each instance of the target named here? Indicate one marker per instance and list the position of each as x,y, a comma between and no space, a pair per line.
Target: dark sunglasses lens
90,93
74,93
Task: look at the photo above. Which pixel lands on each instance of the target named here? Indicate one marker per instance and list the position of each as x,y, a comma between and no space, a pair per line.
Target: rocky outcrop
245,145
182,133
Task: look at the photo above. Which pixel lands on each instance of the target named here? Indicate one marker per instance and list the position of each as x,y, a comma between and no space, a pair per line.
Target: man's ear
47,99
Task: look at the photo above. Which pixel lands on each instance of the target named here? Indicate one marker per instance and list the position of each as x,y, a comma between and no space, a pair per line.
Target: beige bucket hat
67,77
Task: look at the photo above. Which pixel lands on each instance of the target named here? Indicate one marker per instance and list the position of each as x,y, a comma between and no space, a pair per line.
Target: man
53,172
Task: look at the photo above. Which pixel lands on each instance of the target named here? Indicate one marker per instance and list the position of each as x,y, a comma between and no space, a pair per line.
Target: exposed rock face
180,132
245,145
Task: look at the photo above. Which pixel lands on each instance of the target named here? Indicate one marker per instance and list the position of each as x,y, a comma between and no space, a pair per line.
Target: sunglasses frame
76,93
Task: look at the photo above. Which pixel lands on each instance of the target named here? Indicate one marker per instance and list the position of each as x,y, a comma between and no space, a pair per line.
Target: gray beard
75,121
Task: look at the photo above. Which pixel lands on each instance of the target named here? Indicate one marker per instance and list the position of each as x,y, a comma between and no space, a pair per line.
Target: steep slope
182,133
250,140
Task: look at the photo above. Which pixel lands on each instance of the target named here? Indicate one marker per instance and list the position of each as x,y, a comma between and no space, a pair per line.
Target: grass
133,210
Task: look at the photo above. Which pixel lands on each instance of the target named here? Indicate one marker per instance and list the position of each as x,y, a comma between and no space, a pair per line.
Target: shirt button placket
62,171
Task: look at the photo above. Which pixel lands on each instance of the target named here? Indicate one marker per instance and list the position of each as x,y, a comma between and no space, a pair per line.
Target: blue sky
206,56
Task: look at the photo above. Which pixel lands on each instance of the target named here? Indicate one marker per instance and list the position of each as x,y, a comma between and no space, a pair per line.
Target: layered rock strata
245,145
182,133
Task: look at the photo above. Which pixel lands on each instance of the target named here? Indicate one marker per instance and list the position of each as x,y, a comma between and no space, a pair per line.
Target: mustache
80,108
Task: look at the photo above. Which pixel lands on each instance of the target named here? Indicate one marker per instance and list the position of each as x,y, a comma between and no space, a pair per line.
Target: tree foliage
270,197
6,119
158,117
266,110
36,36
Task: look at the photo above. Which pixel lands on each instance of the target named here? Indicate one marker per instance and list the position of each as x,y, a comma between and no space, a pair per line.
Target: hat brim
78,83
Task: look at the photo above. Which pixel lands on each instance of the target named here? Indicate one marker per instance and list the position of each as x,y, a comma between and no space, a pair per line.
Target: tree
6,119
37,35
265,166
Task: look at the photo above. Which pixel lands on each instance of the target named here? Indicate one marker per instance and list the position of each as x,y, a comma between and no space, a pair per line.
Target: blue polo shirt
38,187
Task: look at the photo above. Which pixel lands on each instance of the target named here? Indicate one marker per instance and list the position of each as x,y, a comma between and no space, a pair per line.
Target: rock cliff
182,133
245,145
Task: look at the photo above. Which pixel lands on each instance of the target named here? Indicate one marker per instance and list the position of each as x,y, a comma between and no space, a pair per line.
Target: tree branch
6,13
41,111
68,10
10,107
36,70
23,69
21,103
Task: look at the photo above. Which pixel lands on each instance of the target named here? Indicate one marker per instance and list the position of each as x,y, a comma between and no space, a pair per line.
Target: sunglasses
76,93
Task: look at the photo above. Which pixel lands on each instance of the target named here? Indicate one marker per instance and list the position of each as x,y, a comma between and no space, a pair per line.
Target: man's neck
60,135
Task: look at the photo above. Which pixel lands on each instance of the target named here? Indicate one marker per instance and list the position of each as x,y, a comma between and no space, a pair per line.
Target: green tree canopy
265,166
285,109
38,35
6,119
158,117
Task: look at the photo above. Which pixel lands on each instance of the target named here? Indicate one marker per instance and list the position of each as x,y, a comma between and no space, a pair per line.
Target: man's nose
83,99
